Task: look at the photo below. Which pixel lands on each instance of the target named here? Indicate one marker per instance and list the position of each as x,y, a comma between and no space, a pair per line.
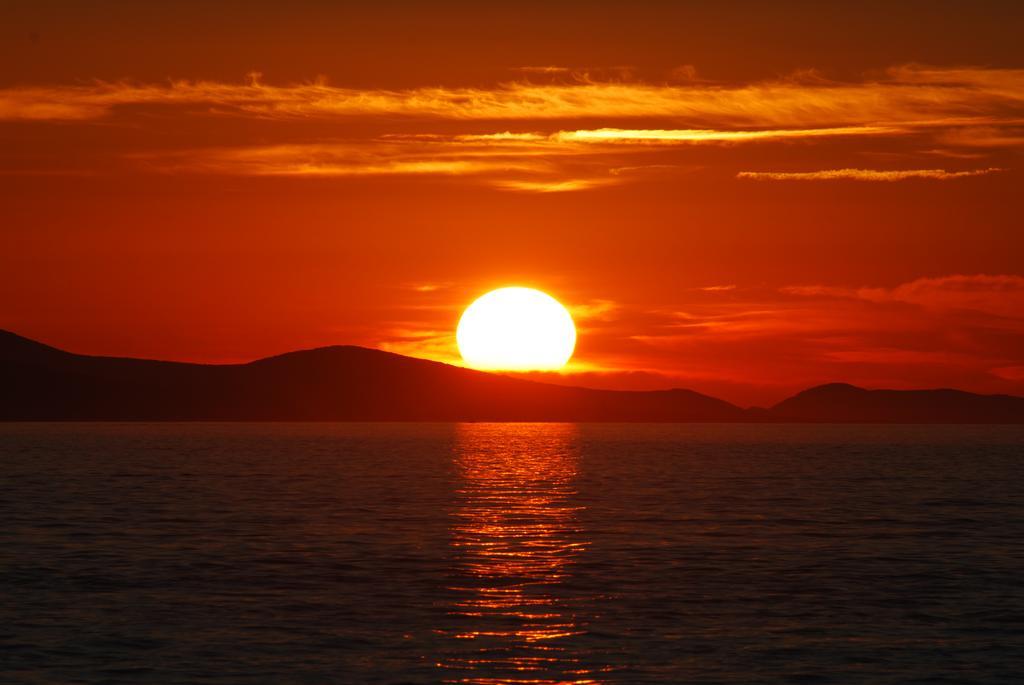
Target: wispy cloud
1008,136
578,134
1010,373
999,294
559,186
594,310
435,344
964,329
549,69
863,174
517,161
908,94
339,159
429,287
617,135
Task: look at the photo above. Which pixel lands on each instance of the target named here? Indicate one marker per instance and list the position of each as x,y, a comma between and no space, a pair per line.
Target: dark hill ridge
357,384
326,384
840,402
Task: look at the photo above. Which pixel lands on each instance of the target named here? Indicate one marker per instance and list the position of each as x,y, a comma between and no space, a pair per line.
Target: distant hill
842,403
326,384
347,383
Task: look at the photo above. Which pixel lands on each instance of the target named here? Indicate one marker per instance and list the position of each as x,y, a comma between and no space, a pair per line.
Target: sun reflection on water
516,536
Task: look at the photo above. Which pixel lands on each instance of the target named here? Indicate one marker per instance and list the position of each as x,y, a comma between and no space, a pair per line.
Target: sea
511,553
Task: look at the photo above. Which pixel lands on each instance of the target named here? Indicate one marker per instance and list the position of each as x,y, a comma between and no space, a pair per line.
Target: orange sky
740,200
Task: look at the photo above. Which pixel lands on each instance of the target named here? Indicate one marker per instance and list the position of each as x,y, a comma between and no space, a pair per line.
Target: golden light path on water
516,536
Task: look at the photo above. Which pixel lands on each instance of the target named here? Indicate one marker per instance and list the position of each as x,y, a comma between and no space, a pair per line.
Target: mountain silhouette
332,383
840,402
345,383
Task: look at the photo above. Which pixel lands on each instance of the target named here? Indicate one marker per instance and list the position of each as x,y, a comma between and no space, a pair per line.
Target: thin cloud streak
559,186
864,174
998,294
616,135
328,159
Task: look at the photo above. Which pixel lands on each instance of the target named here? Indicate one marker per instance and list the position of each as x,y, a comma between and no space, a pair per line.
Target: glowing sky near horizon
741,200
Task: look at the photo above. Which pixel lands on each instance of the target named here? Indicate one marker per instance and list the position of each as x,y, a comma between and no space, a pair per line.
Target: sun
516,329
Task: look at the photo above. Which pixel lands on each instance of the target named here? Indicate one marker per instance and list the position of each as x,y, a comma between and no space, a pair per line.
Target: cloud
429,287
1000,294
521,168
1010,373
339,159
594,310
962,329
435,344
909,95
864,174
616,135
518,161
559,186
684,72
578,135
503,137
550,69
1009,136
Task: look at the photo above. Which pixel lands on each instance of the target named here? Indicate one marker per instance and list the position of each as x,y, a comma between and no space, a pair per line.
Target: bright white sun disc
516,329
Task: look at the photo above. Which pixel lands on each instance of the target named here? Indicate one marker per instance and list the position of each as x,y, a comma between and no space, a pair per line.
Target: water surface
511,553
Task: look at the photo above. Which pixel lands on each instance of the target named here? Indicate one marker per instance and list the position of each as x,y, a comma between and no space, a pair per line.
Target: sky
739,199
